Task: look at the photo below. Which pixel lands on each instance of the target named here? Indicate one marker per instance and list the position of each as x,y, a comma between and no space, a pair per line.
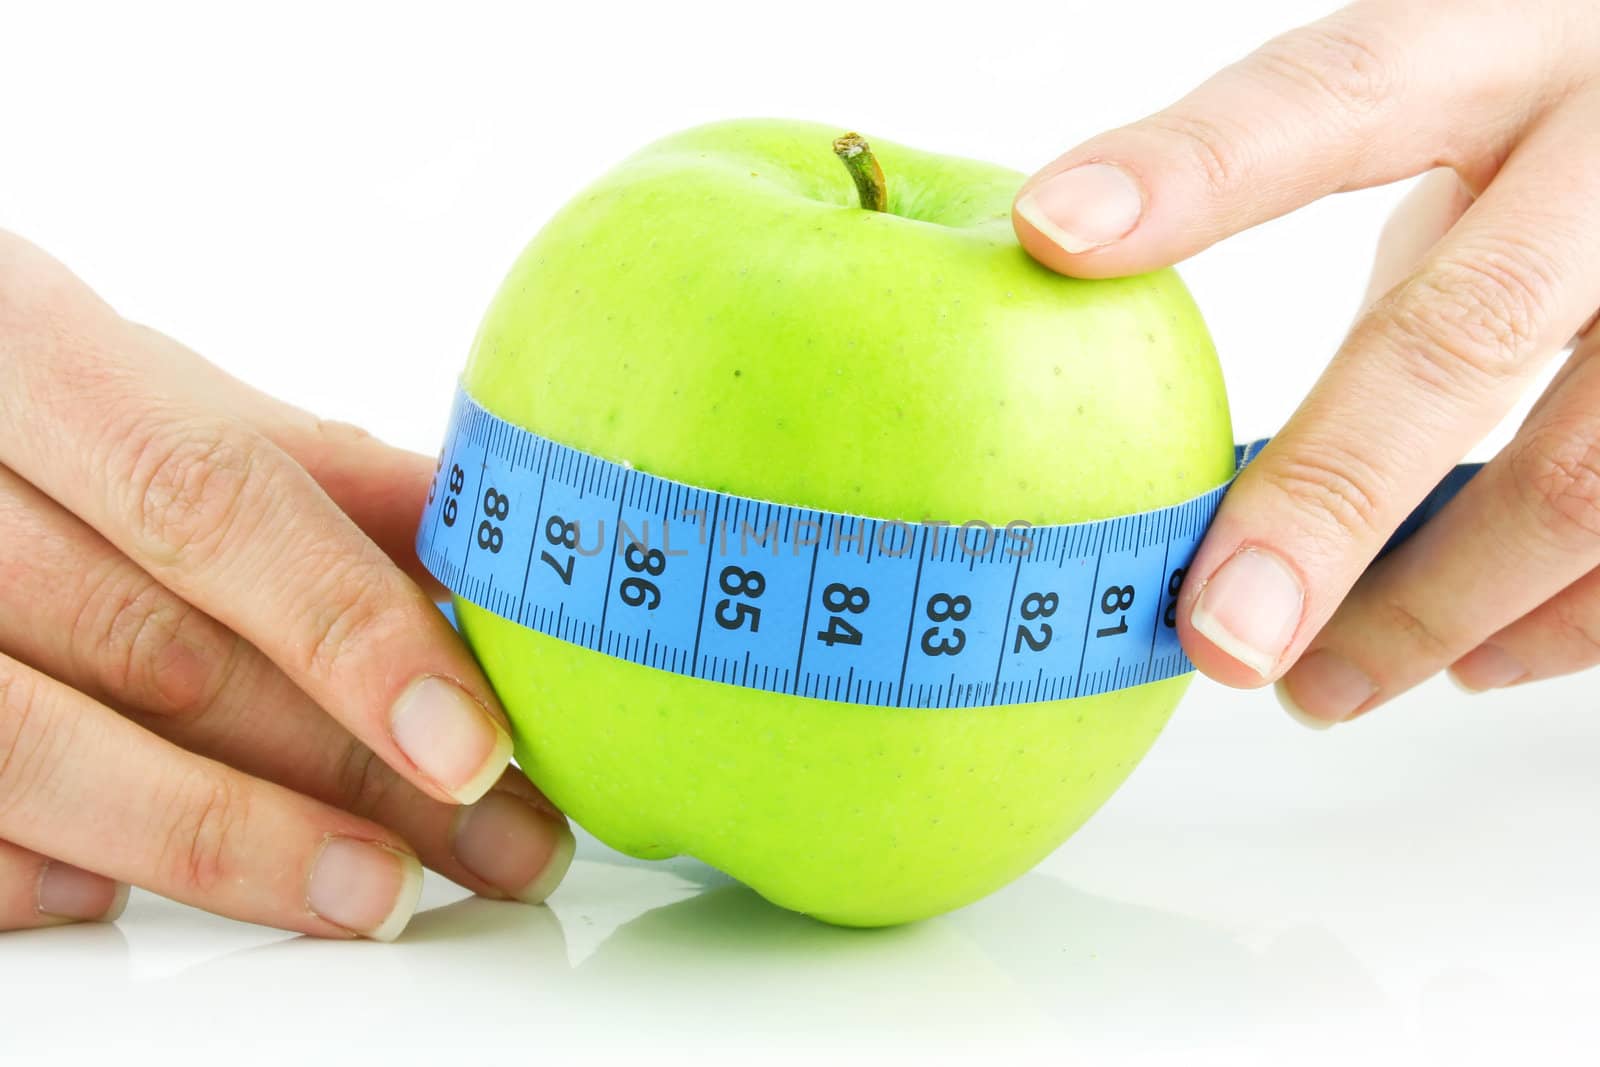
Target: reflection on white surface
1415,889
713,964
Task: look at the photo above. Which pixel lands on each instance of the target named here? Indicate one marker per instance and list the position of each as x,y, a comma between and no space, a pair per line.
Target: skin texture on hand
1484,275
222,673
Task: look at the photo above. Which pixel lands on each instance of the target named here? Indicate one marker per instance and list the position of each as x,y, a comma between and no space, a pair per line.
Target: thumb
1375,93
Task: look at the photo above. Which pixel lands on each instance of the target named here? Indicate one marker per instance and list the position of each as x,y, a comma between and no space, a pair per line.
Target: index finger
1429,371
382,488
1369,95
224,518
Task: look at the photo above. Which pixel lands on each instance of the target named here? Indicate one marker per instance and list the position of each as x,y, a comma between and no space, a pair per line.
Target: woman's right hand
222,674
1488,274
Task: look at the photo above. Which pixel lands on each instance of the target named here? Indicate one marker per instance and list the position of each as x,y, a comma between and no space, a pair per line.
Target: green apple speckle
767,336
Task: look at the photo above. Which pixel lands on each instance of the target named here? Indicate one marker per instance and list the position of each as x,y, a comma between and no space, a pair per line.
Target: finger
1560,636
74,608
1510,546
1432,369
84,784
1420,220
1423,216
223,517
36,891
382,488
1372,94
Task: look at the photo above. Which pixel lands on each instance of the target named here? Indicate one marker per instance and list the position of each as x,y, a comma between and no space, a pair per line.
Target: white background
323,197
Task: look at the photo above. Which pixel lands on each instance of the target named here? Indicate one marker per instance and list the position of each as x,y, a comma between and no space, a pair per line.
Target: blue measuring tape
808,602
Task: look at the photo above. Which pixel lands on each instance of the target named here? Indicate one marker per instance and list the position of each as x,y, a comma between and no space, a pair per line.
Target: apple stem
853,150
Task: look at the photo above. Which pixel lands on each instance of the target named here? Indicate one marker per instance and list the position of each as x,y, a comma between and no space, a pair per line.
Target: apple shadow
715,964
1038,958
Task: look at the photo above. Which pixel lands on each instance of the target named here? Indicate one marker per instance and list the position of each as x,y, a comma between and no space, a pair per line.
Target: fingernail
1486,667
69,892
513,846
1086,207
1296,712
1324,688
450,737
365,887
1250,608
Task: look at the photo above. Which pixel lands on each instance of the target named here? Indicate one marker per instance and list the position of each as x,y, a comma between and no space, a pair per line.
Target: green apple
721,309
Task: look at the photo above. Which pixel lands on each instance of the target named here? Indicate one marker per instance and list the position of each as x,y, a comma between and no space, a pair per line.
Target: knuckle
193,484
1577,630
1342,64
209,815
336,433
152,649
1333,486
1209,146
356,611
318,443
1395,617
1474,319
363,781
28,748
1557,474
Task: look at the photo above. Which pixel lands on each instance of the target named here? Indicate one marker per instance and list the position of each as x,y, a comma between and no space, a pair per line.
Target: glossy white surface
323,198
1419,887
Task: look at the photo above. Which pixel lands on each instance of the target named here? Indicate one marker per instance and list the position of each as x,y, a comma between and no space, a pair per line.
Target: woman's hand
220,678
1487,272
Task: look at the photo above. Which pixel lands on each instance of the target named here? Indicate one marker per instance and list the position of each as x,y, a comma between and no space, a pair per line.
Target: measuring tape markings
839,607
